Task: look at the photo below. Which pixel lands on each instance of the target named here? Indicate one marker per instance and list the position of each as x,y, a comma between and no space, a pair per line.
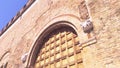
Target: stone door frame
62,20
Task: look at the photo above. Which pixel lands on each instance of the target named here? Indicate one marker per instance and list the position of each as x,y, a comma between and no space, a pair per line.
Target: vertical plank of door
49,65
54,42
66,42
75,56
60,38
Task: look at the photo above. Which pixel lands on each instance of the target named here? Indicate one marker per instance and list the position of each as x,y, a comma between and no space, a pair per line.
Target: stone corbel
87,27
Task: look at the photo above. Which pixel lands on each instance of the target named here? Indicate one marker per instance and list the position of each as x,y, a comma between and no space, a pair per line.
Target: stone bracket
24,57
88,41
87,27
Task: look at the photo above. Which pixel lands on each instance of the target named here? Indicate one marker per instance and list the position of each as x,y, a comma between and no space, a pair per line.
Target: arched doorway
68,21
59,50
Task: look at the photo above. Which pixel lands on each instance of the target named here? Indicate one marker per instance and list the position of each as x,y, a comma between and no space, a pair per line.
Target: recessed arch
60,21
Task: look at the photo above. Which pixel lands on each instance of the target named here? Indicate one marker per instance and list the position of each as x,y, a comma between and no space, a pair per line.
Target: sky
8,9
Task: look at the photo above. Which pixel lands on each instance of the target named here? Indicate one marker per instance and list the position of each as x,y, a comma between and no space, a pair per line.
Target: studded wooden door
60,50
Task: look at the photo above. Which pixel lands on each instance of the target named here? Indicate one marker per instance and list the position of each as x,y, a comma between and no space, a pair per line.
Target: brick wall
20,37
105,16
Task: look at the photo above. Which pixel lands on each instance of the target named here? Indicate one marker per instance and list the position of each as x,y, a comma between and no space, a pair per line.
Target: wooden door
60,50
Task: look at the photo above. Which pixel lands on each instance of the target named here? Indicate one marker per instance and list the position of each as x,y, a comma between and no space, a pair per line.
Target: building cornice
20,13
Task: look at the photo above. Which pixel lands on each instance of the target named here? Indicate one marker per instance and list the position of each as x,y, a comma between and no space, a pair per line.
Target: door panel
60,50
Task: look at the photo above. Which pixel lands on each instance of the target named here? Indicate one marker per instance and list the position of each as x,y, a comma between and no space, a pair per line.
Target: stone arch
63,20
